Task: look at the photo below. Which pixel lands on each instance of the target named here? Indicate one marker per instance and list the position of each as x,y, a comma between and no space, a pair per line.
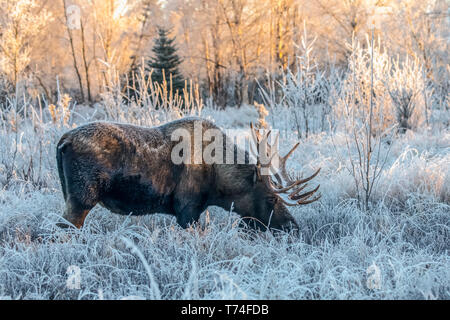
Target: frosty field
399,249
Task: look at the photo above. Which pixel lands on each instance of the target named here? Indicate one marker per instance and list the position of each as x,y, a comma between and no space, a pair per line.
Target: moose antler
286,187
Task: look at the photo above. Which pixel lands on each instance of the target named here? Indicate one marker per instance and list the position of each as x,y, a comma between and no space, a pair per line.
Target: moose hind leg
80,181
75,212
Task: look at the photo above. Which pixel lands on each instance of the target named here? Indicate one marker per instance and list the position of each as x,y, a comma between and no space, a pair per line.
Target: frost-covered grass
400,246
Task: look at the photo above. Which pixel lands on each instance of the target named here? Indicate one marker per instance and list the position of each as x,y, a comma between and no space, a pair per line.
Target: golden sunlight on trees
23,23
227,46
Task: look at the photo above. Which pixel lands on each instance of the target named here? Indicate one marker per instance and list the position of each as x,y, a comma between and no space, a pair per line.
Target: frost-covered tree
165,62
22,22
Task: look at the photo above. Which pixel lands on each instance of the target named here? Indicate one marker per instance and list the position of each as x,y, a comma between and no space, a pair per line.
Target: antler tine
310,177
282,176
291,151
289,202
277,137
295,194
277,177
284,189
266,143
255,134
262,146
311,200
256,139
297,191
305,195
275,188
285,175
283,160
292,203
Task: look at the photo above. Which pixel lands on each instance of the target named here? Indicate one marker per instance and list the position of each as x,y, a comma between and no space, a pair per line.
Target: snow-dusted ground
397,250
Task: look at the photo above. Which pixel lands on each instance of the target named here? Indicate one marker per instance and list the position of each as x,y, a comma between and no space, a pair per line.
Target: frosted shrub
405,86
302,88
365,119
144,102
357,87
416,174
303,92
60,113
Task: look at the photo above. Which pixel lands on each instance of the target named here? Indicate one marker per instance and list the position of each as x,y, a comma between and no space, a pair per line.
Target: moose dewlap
132,169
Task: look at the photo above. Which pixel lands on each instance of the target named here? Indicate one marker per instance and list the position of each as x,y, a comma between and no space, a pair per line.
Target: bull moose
128,169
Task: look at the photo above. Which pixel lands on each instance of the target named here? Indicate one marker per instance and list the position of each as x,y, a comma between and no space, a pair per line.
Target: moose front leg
187,213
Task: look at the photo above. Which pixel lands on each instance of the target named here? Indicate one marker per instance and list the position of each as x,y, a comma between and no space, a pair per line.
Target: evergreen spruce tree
166,61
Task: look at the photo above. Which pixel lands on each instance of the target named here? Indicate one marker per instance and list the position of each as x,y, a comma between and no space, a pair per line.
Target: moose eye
272,200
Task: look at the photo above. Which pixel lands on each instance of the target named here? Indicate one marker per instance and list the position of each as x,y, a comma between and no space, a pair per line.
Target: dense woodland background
227,46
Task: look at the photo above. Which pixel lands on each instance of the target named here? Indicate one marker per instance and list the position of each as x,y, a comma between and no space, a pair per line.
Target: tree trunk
86,65
72,47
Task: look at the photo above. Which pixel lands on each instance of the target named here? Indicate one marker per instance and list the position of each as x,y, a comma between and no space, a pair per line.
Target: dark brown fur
128,169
